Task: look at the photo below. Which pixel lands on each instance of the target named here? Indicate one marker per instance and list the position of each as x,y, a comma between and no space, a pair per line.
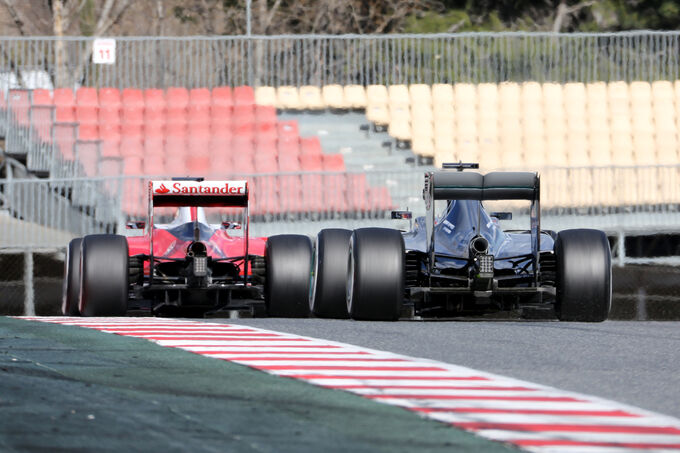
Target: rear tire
71,288
288,261
584,276
375,281
104,271
328,297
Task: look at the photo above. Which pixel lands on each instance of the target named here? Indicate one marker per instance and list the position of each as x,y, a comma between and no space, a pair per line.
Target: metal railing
197,61
47,213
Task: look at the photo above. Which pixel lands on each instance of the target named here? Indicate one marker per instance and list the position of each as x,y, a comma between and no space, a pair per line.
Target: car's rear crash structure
190,267
463,263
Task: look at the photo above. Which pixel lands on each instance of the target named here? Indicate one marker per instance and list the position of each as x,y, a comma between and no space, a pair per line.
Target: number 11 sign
104,51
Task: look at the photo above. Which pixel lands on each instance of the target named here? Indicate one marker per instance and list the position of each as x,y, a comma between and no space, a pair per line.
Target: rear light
200,266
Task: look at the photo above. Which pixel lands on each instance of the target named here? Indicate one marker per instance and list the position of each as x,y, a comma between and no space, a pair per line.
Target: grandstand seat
358,193
199,96
376,95
311,162
154,164
420,93
154,103
87,97
132,97
356,96
333,162
243,163
65,136
132,165
221,107
108,115
288,162
533,131
400,128
555,124
312,192
287,97
508,100
88,132
41,97
110,166
335,193
310,146
398,95
265,114
154,146
442,94
266,145
109,97
380,199
288,148
334,97
19,103
266,163
65,103
665,122
131,146
110,148
265,96
288,130
423,145
42,118
310,98
378,114
88,156
243,95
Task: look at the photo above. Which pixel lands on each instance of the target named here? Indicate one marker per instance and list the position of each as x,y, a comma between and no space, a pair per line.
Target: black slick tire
288,261
104,275
375,280
71,287
584,276
328,298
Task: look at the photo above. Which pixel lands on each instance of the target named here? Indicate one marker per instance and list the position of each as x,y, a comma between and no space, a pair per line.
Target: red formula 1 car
189,266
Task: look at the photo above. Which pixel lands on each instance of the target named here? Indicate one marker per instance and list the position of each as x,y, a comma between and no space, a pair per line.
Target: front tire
584,276
328,298
375,281
288,261
104,272
71,288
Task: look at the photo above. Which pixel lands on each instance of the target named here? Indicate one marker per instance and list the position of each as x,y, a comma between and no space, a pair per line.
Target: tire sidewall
329,290
71,285
104,275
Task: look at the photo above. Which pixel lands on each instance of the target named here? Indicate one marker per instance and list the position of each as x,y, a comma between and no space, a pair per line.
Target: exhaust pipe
479,246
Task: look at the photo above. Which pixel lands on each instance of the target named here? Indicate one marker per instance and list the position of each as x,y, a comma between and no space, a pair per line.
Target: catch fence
199,61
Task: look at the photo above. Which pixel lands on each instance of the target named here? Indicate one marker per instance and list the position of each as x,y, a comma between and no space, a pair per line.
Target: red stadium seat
380,199
199,96
290,193
132,98
242,163
154,164
265,114
266,163
312,193
42,118
154,99
88,156
289,148
42,97
65,139
243,114
244,95
265,146
109,114
154,146
333,162
198,165
88,131
87,97
288,130
87,115
176,98
109,132
65,114
19,102
110,149
110,166
334,193
310,162
310,146
131,147
109,98
266,200
175,164
221,96
64,101
131,130
132,115
288,163
358,192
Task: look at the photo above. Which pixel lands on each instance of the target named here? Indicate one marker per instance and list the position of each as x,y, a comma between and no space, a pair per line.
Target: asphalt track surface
73,389
636,363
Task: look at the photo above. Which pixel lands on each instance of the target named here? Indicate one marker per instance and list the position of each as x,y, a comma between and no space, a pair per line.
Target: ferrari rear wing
199,193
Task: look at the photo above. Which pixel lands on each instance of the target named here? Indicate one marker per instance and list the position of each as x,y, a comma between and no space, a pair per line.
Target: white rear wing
199,193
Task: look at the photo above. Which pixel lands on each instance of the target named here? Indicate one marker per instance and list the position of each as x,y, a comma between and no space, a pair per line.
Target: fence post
29,303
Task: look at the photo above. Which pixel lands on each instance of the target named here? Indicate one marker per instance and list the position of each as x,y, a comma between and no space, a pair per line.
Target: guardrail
48,212
198,61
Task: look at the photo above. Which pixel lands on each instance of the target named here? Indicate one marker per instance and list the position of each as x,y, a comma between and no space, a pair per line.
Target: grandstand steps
340,132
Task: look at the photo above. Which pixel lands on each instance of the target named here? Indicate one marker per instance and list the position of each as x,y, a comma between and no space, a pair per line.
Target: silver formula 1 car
463,263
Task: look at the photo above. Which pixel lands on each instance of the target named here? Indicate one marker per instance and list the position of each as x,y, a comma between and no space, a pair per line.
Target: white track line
532,417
